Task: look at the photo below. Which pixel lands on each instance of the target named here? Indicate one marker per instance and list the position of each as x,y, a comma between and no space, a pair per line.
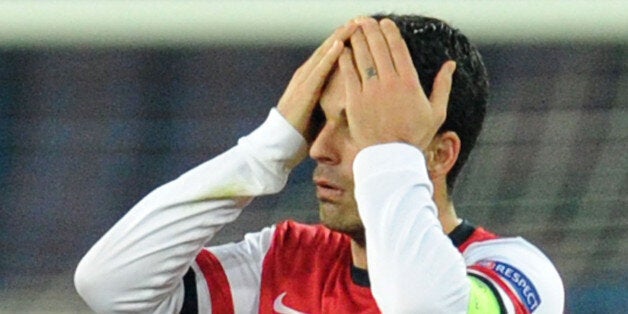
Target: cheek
350,153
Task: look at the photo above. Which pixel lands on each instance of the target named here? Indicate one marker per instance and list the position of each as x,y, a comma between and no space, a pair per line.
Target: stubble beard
344,219
340,214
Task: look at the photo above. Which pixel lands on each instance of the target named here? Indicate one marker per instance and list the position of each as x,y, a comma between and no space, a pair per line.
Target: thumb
441,89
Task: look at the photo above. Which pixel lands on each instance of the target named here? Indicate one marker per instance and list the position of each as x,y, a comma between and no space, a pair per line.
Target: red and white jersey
308,269
154,259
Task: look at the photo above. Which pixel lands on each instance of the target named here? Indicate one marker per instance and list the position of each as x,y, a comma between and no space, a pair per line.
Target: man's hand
385,101
304,90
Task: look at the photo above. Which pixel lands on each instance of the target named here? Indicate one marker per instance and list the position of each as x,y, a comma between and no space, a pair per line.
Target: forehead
333,96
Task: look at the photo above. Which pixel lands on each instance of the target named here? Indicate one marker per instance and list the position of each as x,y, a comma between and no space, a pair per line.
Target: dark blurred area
86,133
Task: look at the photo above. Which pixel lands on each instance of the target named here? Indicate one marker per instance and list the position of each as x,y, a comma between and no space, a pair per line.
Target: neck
446,215
446,211
358,254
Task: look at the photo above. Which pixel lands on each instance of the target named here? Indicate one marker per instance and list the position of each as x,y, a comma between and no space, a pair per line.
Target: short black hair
432,42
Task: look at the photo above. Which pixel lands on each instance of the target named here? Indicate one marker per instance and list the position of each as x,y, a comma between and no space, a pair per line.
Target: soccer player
390,108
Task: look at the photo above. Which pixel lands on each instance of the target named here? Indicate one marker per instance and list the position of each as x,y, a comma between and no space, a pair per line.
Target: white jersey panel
242,263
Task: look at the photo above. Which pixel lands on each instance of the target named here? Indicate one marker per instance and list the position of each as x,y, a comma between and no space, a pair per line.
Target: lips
326,190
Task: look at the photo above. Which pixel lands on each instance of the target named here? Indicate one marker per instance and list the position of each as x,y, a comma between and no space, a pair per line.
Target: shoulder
520,270
515,249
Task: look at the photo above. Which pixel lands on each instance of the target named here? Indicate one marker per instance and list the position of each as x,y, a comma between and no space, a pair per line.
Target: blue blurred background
87,129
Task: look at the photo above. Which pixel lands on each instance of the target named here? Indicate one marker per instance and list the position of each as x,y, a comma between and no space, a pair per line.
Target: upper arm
483,297
228,277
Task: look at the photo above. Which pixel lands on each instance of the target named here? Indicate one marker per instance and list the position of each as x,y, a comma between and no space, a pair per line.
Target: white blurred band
298,22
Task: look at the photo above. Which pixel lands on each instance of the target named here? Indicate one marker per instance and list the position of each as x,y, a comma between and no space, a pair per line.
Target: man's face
334,152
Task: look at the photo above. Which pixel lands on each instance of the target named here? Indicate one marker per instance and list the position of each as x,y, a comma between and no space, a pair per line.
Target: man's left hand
385,101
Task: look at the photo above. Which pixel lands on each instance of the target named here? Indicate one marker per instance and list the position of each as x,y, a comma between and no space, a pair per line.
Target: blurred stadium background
100,102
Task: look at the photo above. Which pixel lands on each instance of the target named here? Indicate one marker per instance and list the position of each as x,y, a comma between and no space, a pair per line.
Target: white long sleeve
413,266
138,264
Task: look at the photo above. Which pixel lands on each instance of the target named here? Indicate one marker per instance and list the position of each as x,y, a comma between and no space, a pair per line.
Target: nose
324,149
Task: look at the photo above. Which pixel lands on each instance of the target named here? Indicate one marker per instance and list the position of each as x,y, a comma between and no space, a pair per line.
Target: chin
341,220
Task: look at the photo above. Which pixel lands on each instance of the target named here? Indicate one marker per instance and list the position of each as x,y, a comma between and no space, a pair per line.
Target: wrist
276,141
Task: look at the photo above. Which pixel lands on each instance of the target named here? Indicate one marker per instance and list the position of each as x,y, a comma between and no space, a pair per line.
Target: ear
442,154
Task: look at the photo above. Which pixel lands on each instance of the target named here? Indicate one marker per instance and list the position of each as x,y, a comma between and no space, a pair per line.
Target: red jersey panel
308,269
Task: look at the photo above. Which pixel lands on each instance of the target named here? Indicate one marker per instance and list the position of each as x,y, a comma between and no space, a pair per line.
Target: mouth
327,191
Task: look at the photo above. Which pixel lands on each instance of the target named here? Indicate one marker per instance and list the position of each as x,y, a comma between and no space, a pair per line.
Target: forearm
412,263
137,265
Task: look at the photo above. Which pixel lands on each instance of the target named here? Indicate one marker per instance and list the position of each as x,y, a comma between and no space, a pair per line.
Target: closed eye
317,121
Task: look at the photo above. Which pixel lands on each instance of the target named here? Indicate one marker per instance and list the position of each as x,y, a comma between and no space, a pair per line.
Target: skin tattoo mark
371,72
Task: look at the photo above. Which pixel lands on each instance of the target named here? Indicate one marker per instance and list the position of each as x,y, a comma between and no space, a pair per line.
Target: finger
342,34
378,47
350,74
303,93
441,89
316,78
398,49
362,57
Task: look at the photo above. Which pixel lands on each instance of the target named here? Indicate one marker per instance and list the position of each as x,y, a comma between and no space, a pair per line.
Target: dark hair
431,43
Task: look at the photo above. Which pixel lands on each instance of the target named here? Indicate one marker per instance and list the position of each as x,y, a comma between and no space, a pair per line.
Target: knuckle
409,80
391,84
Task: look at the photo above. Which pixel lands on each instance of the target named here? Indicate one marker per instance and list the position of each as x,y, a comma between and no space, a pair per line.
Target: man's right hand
305,87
